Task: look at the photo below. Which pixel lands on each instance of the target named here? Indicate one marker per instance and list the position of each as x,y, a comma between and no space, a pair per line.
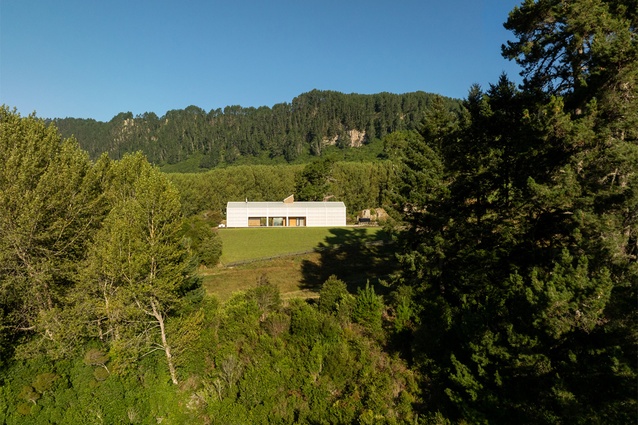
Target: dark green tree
313,182
205,244
332,293
526,268
285,132
439,123
416,174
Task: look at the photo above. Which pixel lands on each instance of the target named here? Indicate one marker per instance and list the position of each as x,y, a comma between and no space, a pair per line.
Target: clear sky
97,58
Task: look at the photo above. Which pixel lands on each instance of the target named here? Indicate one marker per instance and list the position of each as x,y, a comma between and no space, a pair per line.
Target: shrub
331,294
368,310
204,242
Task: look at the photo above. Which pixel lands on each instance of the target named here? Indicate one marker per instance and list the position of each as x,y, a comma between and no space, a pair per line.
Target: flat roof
293,205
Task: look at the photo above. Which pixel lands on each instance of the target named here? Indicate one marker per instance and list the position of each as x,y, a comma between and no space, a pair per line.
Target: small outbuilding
285,214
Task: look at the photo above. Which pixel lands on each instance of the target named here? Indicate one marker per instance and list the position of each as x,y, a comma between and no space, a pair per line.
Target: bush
368,310
266,295
331,294
204,242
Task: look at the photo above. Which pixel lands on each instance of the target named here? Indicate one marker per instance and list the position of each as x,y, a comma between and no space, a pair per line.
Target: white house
285,214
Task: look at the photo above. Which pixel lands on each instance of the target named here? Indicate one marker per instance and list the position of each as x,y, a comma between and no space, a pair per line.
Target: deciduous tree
137,267
51,204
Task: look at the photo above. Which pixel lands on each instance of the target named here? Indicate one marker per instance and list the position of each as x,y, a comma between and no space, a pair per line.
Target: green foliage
593,49
522,260
44,381
256,361
359,185
210,249
204,242
137,266
211,191
29,394
569,296
88,248
95,357
287,132
417,176
313,182
332,294
51,204
368,310
405,311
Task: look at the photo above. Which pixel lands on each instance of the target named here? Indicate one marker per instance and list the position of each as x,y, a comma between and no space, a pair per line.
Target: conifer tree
526,271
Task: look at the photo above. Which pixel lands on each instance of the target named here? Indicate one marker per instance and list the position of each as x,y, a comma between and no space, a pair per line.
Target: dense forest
514,219
286,132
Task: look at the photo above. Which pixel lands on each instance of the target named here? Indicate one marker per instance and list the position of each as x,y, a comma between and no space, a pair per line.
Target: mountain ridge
286,131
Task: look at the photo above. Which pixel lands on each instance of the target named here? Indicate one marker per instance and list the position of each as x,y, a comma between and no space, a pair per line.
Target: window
256,221
277,221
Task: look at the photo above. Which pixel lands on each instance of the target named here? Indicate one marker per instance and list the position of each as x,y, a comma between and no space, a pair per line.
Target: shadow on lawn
354,256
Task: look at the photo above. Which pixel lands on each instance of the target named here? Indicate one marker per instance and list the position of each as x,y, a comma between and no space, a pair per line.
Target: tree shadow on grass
355,256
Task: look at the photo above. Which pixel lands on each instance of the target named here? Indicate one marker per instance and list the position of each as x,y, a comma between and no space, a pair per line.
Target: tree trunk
167,349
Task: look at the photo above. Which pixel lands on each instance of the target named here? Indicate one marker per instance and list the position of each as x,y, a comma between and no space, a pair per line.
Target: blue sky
94,59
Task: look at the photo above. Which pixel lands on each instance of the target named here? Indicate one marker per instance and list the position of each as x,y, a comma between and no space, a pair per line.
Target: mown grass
354,254
248,244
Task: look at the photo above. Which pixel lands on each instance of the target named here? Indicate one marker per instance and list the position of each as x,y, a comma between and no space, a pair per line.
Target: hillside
286,132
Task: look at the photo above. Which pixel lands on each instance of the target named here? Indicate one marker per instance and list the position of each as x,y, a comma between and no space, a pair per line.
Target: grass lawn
247,244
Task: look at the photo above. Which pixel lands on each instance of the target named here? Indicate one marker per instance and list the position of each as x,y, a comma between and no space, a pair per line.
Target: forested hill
287,131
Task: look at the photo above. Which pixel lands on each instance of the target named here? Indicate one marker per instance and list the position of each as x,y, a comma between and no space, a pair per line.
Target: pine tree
526,271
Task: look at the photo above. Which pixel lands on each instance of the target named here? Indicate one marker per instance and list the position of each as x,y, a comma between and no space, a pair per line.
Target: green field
298,260
248,244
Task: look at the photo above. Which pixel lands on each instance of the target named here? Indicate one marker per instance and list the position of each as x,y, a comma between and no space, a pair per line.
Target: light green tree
51,204
137,267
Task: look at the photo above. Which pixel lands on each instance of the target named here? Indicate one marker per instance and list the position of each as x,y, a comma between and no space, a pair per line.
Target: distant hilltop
284,132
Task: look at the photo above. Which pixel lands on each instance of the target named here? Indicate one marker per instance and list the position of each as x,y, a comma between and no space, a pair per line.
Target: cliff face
356,138
352,139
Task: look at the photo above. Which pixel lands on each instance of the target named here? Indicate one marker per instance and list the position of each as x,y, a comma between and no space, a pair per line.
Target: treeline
360,185
285,132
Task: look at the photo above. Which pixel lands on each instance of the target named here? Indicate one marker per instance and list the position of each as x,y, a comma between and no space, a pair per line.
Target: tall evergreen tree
526,270
313,182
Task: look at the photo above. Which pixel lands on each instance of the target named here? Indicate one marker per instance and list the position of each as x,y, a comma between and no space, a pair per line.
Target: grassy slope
286,273
350,253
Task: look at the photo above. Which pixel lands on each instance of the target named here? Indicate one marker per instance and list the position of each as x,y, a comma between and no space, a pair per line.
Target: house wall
246,214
